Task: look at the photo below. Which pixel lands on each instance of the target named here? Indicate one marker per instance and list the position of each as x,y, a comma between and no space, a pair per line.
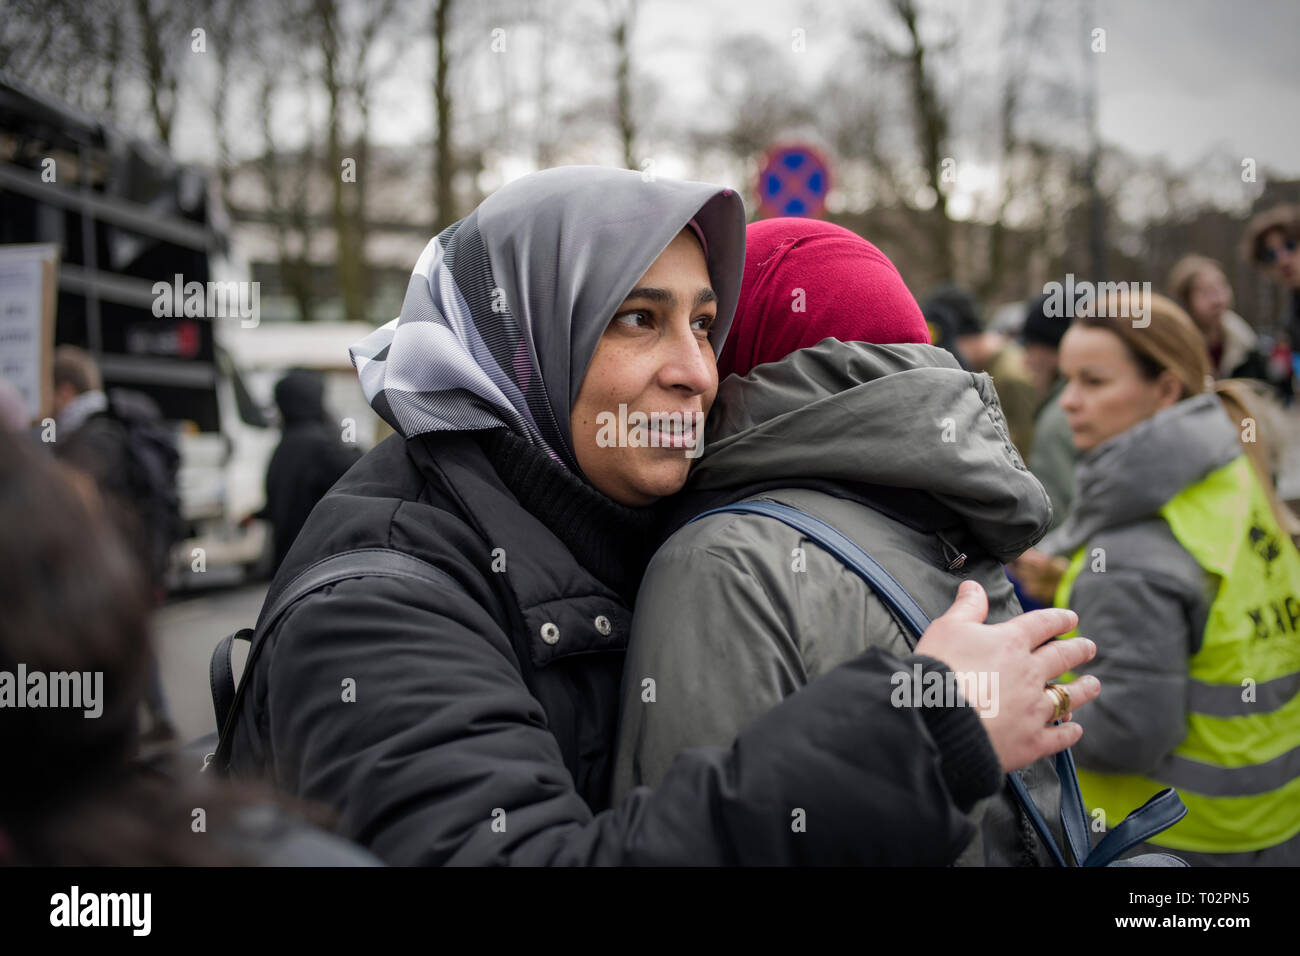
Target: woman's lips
674,439
673,429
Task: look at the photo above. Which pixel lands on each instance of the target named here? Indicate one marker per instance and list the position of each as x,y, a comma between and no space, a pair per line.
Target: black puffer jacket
483,725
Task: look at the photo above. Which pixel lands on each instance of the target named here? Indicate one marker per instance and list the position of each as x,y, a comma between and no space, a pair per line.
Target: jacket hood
902,416
1132,476
300,396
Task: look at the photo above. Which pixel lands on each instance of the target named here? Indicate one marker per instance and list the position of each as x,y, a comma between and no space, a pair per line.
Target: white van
223,473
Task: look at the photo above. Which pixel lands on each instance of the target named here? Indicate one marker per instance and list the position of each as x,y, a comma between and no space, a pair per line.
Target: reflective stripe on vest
1238,768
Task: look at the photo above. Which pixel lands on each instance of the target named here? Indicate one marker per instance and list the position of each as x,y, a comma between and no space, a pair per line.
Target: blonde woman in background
1200,286
1182,570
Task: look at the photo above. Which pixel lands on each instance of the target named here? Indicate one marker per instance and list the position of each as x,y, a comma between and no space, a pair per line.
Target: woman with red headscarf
836,404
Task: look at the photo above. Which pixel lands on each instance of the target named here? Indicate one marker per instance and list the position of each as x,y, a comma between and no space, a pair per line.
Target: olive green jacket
737,612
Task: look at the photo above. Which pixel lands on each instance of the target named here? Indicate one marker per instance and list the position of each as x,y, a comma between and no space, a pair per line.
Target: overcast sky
1180,79
1181,76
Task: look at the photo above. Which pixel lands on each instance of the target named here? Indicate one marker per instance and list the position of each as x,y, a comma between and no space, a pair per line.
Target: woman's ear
1169,390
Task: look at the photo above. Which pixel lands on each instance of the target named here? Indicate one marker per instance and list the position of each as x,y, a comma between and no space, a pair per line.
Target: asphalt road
186,629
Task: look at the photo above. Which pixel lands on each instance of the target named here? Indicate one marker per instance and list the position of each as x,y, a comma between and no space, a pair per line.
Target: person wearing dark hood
467,715
841,409
308,460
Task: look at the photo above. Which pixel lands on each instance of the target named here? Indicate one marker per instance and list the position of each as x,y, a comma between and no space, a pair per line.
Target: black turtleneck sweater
612,541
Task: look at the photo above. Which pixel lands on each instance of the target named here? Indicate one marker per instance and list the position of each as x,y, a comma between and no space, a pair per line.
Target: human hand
1020,658
1039,574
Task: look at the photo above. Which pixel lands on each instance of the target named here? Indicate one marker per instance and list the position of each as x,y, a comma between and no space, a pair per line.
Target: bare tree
623,17
233,28
163,37
81,54
1022,34
289,216
757,96
444,198
931,118
1096,204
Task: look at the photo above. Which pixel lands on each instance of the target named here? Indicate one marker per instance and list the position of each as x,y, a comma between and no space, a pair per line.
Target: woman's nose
688,363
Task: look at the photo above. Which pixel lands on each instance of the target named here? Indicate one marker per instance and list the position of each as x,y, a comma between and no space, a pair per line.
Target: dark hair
75,600
958,306
1039,328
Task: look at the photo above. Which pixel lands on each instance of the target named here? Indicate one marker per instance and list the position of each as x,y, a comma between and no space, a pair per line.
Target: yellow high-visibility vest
1238,768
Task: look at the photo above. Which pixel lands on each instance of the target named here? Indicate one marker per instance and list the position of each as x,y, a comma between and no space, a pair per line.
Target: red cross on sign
793,180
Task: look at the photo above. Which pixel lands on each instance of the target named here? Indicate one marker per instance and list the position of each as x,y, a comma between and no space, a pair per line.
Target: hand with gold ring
1025,718
1059,694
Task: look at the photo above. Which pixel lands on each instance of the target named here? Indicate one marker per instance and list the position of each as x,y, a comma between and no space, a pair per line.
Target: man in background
122,445
1272,243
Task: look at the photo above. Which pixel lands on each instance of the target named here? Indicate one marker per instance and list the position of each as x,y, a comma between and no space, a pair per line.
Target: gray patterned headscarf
505,307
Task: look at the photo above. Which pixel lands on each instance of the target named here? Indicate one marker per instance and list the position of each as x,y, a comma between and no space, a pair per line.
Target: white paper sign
23,331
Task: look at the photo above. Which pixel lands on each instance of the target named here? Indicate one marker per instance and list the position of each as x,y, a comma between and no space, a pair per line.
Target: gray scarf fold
505,308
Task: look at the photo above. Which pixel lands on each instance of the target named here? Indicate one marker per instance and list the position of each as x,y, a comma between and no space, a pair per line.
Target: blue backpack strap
843,548
1159,813
909,613
1074,818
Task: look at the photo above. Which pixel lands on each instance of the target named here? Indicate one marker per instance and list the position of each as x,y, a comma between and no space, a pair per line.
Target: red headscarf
807,280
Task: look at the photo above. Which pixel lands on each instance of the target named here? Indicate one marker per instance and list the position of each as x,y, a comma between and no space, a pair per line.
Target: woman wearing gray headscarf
470,718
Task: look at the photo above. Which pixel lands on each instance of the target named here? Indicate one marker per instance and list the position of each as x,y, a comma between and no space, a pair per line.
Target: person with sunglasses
1272,243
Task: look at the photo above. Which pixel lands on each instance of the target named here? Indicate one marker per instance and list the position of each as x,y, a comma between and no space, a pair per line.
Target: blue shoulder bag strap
1158,813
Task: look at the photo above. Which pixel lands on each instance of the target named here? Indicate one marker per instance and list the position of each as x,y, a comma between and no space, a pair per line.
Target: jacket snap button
550,633
603,626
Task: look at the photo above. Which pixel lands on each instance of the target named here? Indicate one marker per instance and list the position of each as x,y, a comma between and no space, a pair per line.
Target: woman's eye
633,320
704,323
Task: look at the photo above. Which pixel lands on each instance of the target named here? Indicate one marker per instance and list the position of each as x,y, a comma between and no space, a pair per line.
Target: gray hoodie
902,451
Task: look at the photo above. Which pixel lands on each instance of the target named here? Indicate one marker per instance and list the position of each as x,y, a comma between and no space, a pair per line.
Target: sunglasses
1269,256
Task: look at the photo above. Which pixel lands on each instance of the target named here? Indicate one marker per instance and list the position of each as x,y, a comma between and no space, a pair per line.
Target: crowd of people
593,666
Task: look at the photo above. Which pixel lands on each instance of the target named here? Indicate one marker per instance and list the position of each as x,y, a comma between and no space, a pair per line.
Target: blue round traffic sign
793,181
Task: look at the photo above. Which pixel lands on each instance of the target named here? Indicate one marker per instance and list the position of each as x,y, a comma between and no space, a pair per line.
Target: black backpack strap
359,563
221,676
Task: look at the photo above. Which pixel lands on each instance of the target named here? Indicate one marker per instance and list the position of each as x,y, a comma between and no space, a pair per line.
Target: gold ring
1060,701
